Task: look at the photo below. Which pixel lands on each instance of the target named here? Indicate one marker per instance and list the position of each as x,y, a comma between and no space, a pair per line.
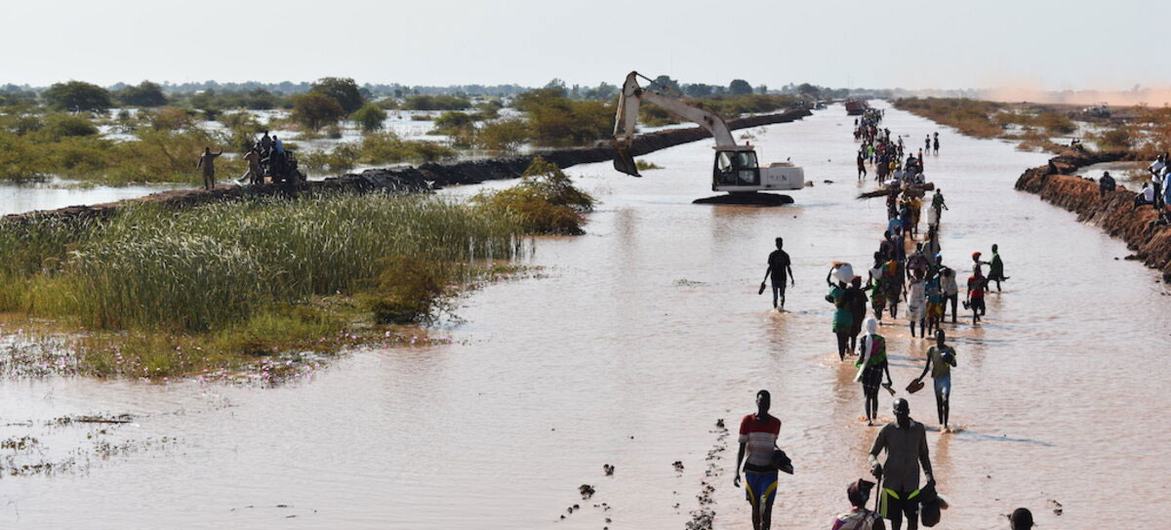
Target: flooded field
626,349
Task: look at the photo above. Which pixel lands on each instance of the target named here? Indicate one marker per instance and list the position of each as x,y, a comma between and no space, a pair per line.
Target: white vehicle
735,170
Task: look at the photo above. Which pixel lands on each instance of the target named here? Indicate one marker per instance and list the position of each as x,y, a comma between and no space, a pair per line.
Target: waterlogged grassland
163,292
266,282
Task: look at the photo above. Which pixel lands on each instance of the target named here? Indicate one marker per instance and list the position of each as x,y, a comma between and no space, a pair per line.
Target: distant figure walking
940,360
758,438
927,143
996,268
905,443
207,163
779,268
935,145
871,366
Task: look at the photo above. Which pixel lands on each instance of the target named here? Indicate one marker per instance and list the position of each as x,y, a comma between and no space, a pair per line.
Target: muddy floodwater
628,347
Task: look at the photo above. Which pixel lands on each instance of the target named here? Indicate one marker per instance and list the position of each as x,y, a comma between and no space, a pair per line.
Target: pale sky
1050,44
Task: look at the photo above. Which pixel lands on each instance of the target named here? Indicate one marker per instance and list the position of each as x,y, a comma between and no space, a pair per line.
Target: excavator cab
735,168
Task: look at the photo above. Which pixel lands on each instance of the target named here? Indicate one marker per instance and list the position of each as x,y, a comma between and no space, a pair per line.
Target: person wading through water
843,319
940,360
977,284
856,303
858,518
996,268
872,364
207,163
758,437
905,443
779,268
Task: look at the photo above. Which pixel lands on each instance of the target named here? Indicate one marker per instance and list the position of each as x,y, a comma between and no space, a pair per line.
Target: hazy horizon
920,45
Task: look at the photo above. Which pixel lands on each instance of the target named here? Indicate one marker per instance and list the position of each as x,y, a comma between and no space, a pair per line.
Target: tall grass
212,266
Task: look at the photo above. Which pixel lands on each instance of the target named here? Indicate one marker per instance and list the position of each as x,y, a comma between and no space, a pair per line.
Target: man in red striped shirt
758,437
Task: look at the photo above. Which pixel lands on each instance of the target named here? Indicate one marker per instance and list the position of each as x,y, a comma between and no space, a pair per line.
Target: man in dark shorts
905,442
758,438
779,268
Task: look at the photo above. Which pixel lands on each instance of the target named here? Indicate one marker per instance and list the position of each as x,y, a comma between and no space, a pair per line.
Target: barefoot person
940,360
977,284
779,268
207,164
843,319
996,268
872,364
758,437
905,443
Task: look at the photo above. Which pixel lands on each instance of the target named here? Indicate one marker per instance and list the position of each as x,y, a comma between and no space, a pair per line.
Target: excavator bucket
624,162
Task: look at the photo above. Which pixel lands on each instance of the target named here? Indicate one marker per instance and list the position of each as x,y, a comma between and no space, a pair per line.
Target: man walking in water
905,442
779,268
996,268
207,163
940,360
758,437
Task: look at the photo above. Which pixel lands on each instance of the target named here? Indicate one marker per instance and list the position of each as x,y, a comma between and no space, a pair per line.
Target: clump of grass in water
545,202
643,165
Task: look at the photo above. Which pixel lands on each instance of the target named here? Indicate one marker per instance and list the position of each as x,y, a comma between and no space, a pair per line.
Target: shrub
78,96
505,135
545,201
369,117
555,120
426,102
315,110
58,126
146,94
408,288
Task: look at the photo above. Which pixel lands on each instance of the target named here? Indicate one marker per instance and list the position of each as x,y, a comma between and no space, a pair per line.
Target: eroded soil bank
1114,212
427,176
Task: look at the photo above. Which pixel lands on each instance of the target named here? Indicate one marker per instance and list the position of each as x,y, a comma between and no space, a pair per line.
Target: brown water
635,339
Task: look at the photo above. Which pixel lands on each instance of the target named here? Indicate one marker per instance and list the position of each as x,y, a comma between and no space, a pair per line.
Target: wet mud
1113,212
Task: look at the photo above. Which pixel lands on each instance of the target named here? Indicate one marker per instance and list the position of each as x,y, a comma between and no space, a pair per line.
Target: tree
806,89
343,90
315,110
698,90
78,96
665,83
146,94
739,87
369,117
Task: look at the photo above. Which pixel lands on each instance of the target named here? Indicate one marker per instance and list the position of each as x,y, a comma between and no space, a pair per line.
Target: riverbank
423,178
1114,212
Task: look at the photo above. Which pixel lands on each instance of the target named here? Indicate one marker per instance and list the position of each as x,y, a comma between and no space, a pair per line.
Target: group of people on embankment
904,478
266,157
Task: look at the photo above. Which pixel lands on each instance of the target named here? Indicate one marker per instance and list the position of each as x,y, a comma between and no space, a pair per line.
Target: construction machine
735,169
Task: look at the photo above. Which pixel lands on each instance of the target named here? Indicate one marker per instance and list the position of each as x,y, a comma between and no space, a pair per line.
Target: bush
78,96
425,102
555,120
545,201
369,117
505,135
146,94
58,126
408,288
315,110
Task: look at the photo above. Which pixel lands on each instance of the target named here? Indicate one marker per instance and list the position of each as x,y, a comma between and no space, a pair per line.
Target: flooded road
628,347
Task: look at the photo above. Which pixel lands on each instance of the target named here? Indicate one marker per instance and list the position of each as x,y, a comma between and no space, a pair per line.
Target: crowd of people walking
906,486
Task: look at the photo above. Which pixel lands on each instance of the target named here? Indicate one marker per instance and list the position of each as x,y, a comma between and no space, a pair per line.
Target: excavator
735,169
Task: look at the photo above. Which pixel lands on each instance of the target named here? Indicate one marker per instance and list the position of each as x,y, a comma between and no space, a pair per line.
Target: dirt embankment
1113,212
428,176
